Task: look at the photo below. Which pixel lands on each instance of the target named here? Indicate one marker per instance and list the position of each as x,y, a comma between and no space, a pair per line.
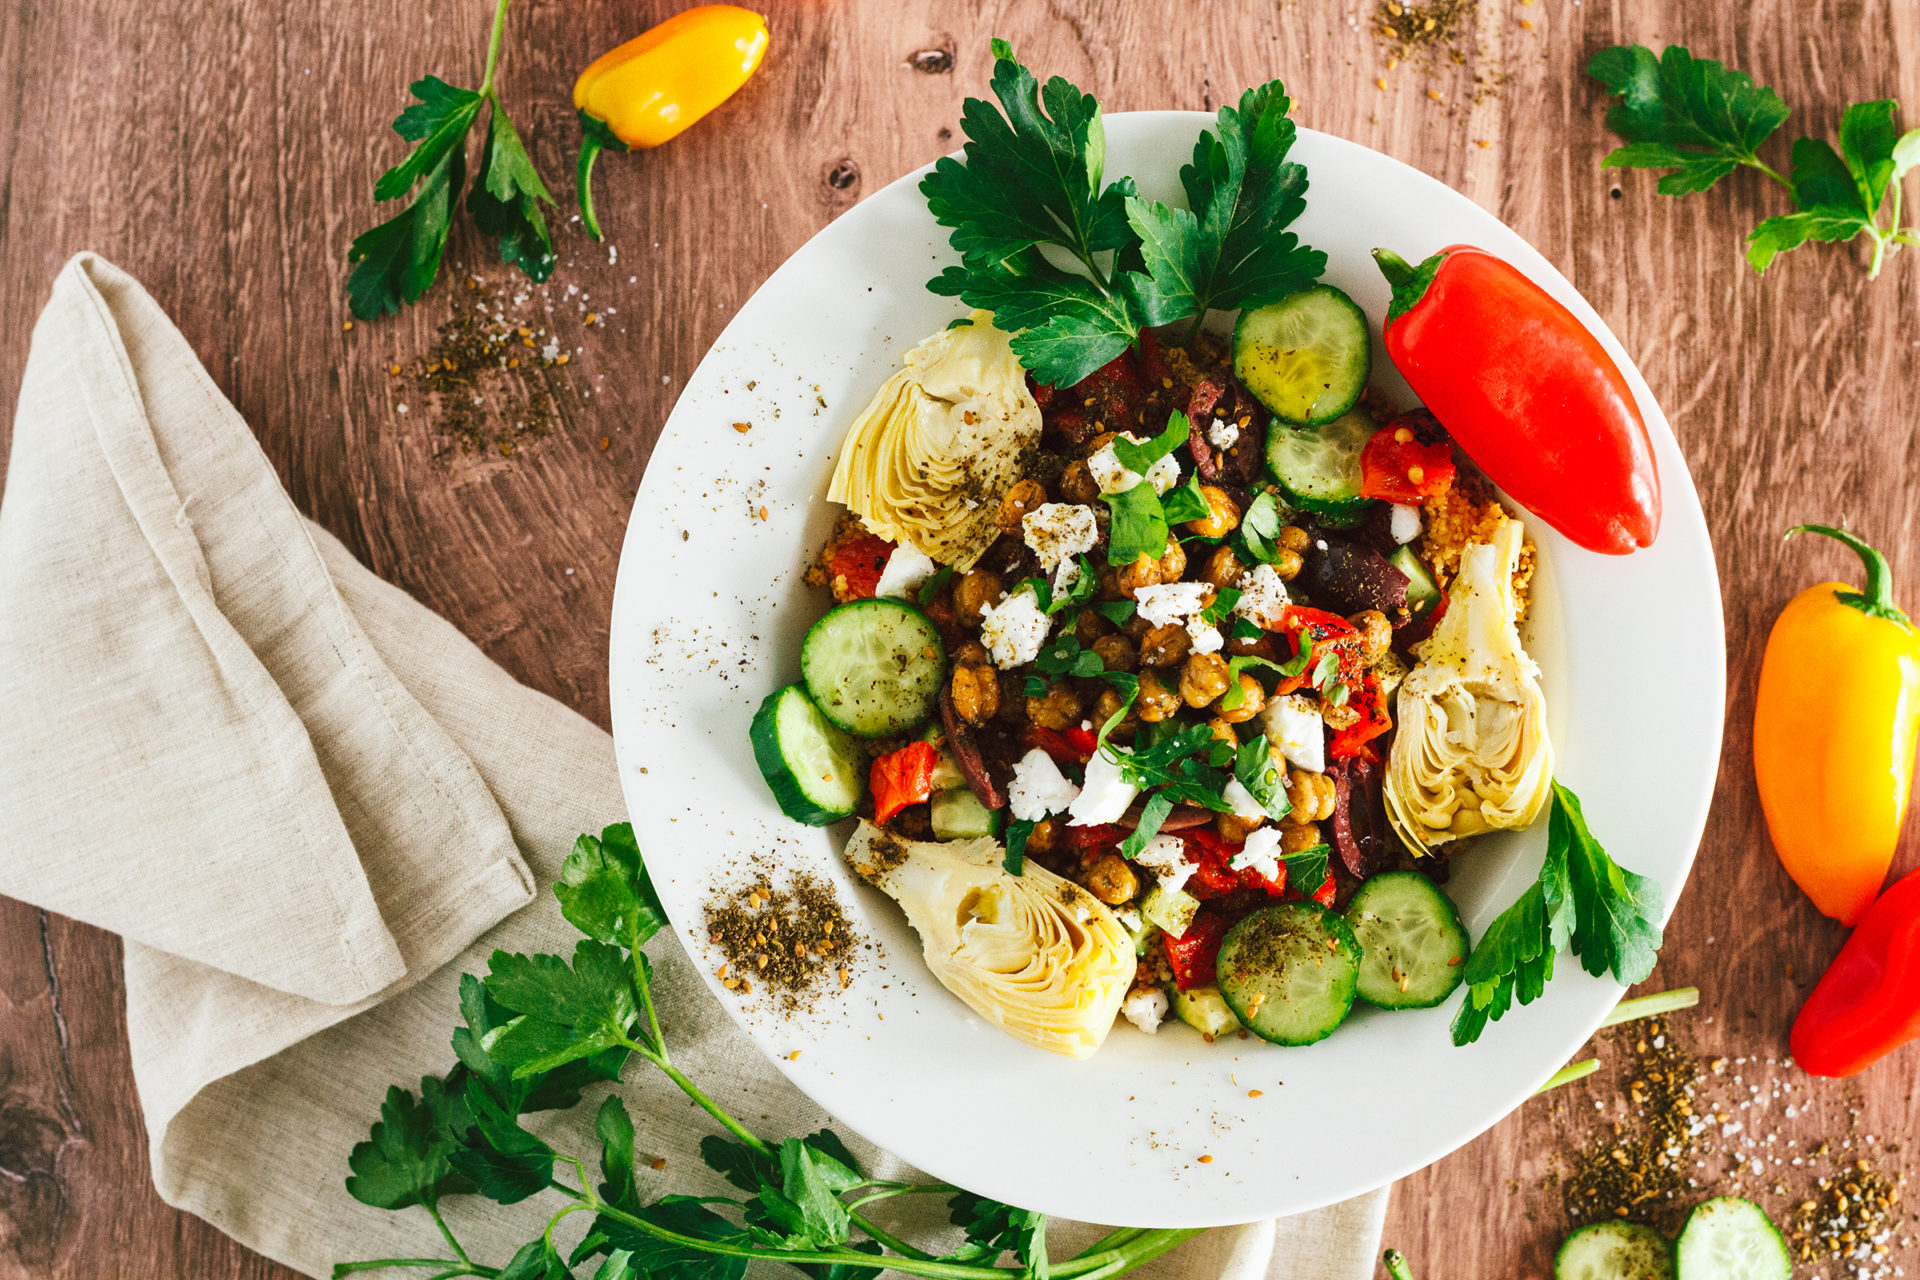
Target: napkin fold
309,805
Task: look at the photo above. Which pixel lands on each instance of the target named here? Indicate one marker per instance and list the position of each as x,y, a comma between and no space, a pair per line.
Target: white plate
707,620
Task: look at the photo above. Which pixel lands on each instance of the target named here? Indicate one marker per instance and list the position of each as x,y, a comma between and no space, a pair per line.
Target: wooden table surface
225,154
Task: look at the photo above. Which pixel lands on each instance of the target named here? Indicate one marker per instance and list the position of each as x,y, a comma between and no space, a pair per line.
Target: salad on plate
1168,661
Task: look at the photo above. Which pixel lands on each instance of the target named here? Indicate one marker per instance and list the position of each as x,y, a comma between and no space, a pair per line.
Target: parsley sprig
397,261
539,1029
1034,179
1583,899
1701,121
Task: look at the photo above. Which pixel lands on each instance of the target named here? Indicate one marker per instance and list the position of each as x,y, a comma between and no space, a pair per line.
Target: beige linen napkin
309,805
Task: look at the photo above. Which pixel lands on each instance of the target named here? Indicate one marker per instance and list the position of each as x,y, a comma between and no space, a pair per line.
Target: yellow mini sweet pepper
650,88
1834,725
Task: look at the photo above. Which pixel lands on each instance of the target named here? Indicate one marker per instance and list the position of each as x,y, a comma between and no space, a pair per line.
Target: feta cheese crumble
1165,603
1235,793
1059,531
1014,630
1263,596
1204,637
1105,795
1038,787
1166,857
1404,523
908,569
1146,1008
1294,725
1113,477
1222,434
1261,852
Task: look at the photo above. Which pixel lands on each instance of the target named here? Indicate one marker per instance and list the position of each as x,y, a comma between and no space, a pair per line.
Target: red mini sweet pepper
1530,395
1867,1003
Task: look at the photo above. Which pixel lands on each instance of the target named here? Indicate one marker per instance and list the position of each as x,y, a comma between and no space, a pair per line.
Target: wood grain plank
225,155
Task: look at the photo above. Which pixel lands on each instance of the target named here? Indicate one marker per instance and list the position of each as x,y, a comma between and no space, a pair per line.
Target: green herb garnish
538,1030
1701,121
1261,775
1139,526
1583,899
397,261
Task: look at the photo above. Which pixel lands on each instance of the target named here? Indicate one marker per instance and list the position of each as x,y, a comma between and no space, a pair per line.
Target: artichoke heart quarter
1472,753
1036,955
931,456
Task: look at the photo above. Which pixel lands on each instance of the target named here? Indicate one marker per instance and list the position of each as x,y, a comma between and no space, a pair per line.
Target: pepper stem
1395,268
583,183
1396,1265
1877,600
1409,282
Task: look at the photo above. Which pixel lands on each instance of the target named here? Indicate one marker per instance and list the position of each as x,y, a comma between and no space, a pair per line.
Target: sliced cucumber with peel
1614,1251
959,815
813,769
1728,1238
1318,467
1415,949
1422,591
1305,357
1290,972
874,667
1205,1010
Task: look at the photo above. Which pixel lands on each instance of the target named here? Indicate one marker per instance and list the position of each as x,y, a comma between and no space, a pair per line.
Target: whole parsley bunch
539,1029
1584,900
397,261
1702,120
1031,194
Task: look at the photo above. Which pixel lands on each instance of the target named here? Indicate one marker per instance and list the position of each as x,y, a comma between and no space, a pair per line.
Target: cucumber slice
959,815
1729,1238
1205,1010
1289,972
1422,591
1614,1251
1305,357
874,667
1319,467
1172,909
1415,949
811,767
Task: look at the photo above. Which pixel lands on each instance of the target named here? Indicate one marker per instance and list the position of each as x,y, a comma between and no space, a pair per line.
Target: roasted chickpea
1165,645
1078,485
1293,538
1203,678
975,688
1233,828
1108,705
1117,652
970,652
1025,496
1109,579
1090,627
1223,514
1344,716
1260,646
1252,699
1288,564
1043,836
1223,730
1058,708
1135,628
1376,633
976,589
1101,441
1111,880
1223,568
1155,701
1144,572
1311,795
1013,699
1172,562
1299,839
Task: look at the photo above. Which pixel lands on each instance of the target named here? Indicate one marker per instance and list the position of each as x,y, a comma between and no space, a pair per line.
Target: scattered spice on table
1424,32
791,945
1850,1222
1639,1169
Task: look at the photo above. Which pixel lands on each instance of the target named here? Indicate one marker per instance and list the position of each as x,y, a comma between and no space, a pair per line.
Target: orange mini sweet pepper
1833,733
652,87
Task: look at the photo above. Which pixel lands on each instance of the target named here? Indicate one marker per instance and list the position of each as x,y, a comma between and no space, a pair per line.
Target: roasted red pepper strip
1527,392
1407,460
1099,835
1363,696
1214,876
1193,954
1867,1003
1056,744
901,778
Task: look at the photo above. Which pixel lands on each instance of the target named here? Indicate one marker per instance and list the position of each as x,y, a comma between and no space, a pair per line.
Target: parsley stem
1396,1264
493,46
659,1059
382,1264
1769,170
644,986
1568,1074
447,1232
1657,1003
